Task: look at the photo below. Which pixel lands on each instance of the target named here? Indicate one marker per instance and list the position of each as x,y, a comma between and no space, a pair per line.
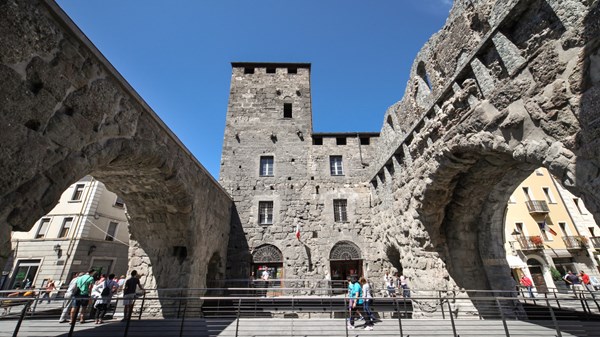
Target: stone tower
283,177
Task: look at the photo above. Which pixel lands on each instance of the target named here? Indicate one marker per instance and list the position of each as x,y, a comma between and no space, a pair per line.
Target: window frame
265,213
263,166
340,210
78,192
108,236
65,230
38,233
336,167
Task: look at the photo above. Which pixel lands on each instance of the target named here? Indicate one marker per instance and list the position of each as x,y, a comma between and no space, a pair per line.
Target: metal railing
537,206
575,242
261,311
530,242
595,241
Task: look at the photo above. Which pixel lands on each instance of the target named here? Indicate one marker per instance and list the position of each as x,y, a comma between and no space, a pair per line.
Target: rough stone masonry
505,87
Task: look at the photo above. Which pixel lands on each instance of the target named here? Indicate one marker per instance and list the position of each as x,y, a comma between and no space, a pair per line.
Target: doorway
537,275
25,273
345,261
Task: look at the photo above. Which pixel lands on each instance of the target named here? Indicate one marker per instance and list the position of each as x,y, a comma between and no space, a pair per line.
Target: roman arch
67,113
505,87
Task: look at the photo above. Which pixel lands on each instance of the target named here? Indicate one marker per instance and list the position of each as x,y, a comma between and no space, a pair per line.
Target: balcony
575,242
530,242
595,241
537,206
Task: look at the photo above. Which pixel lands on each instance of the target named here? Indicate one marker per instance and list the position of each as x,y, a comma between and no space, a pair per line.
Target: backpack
71,290
106,291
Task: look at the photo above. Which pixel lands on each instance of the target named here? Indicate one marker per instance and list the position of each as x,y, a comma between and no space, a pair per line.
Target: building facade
302,198
548,232
87,229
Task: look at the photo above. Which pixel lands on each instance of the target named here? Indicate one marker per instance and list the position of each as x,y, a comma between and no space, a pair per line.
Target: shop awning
515,262
558,253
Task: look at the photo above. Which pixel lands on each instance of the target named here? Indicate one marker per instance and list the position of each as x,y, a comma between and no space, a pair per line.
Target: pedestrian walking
102,293
50,286
403,280
129,291
573,281
81,296
68,299
367,300
528,284
355,301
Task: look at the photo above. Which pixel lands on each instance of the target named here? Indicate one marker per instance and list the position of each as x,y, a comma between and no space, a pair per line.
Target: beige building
548,232
86,229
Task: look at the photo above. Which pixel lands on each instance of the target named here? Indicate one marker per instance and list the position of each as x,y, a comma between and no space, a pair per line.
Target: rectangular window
292,70
564,228
365,141
248,70
520,228
339,210
271,70
66,226
287,110
527,194
266,166
579,206
317,141
548,195
78,192
265,212
119,202
41,233
340,141
542,226
111,232
335,163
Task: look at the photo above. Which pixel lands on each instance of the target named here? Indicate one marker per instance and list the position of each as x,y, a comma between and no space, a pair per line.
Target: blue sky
177,55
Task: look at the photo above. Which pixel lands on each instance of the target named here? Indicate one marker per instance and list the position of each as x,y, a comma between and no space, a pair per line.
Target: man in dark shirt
573,281
129,294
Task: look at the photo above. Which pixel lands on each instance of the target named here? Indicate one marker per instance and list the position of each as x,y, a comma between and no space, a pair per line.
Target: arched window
345,250
267,254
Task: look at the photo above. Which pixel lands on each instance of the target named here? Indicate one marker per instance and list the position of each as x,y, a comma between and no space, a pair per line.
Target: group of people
396,282
576,282
359,294
90,287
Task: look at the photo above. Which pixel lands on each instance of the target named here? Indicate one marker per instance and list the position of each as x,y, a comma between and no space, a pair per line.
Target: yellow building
542,233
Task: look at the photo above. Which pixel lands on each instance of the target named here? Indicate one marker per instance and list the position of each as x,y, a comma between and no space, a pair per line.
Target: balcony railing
537,206
575,242
595,241
530,242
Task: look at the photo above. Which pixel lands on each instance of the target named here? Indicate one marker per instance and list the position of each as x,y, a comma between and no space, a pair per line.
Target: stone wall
67,113
512,86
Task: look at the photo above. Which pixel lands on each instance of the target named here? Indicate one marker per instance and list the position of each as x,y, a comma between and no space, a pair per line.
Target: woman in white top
368,299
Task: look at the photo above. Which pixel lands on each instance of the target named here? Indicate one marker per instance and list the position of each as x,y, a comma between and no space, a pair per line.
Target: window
41,233
248,70
287,110
548,195
266,166
111,231
78,192
527,194
64,230
317,141
292,70
542,225
564,228
365,141
579,206
25,273
339,210
265,212
335,163
271,70
119,202
340,141
520,228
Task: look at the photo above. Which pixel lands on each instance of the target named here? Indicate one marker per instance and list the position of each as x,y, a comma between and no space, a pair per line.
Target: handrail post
237,323
556,327
503,318
452,320
183,318
348,313
442,304
142,306
399,319
21,317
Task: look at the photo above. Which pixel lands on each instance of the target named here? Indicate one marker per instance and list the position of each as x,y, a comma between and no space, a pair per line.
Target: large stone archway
510,87
67,113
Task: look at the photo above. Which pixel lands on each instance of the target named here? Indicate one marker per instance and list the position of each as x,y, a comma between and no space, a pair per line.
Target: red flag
552,231
298,232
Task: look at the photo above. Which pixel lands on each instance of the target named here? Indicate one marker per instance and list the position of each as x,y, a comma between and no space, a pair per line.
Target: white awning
515,262
557,253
